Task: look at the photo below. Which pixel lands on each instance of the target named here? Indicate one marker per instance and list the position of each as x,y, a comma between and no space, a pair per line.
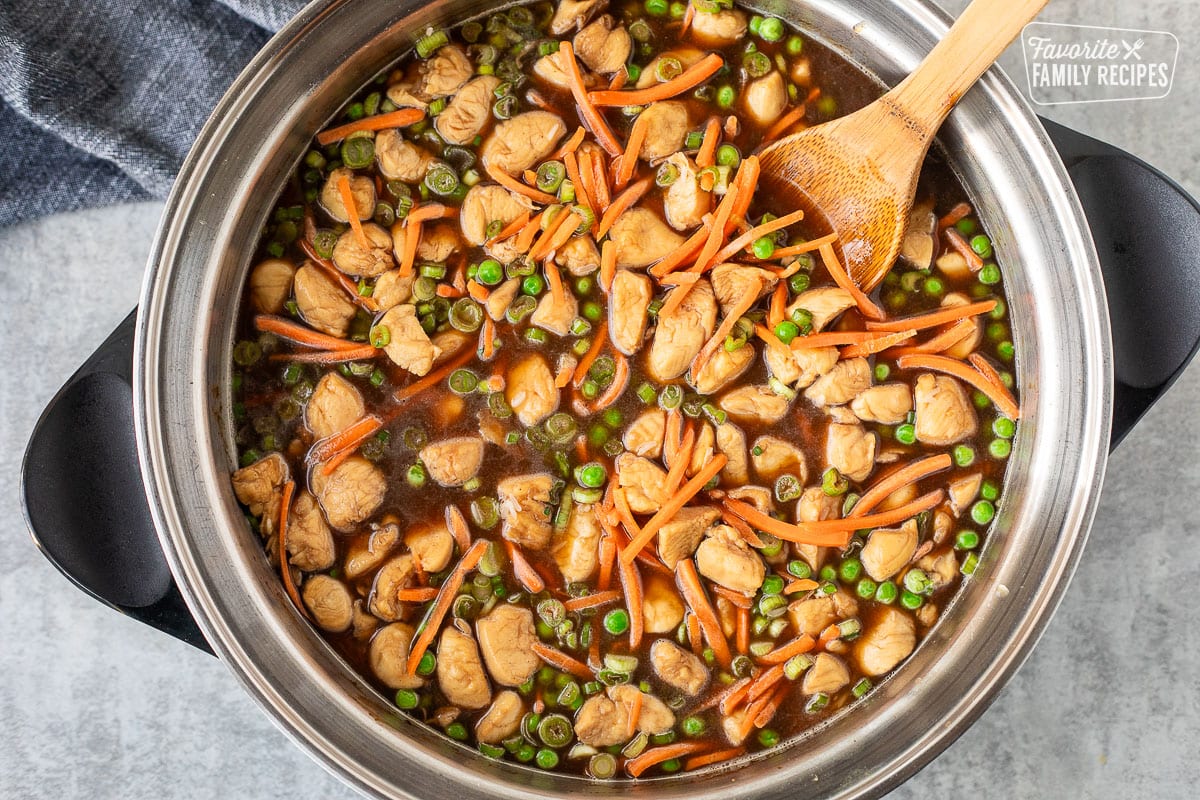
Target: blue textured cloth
100,100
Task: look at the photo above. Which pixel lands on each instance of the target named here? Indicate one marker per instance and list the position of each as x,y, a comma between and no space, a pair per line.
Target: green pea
1006,350
910,600
828,573
934,287
763,247
593,311
964,455
966,540
407,699
1000,448
489,272
982,512
456,730
657,8
799,282
671,765
772,584
771,29
1004,427
533,285
591,475
866,588
989,275
786,331
886,593
982,246
966,226
799,569
906,433
850,569
693,726
795,46
882,371
616,621
768,737
725,96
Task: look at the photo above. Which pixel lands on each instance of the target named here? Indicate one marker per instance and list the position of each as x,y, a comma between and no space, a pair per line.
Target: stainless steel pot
179,376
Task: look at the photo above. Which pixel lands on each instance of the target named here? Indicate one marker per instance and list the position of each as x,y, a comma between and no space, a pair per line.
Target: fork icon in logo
1132,49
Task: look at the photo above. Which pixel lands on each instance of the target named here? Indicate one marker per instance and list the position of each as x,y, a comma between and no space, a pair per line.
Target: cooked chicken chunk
364,557
459,671
766,98
554,316
329,602
667,124
722,368
449,343
388,656
850,449
644,482
353,259
814,505
399,159
486,204
916,249
553,69
627,310
641,238
772,457
754,405
888,549
703,450
431,544
801,367
579,256
525,509
575,551
760,497
654,718
825,304
644,436
259,487
271,285
438,242
453,462
468,112
501,298
679,538
827,675
963,492
731,723
725,558
603,45
662,609
732,443
678,668
681,334
309,540
686,56
363,624
964,347
812,615
362,189
719,29
409,346
397,574
506,636
888,403
518,143
732,282
321,302
684,202
335,404
351,493
945,414
392,289
601,722
403,92
841,384
572,15
886,643
941,568
530,389
446,72
502,720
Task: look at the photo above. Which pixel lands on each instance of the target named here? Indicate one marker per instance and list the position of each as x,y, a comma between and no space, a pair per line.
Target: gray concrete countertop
95,705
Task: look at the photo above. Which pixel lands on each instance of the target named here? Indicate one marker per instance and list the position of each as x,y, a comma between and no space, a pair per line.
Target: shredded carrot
695,633
598,339
723,696
657,755
447,291
582,192
477,290
633,150
804,247
739,525
801,644
621,204
706,156
872,346
778,306
717,756
570,145
934,318
688,16
749,237
568,219
457,524
513,185
767,712
608,554
906,475
831,532
529,176
603,195
736,598
800,585
487,338
773,341
525,238
832,339
681,461
693,594
635,714
624,513
996,392
689,79
783,123
716,235
559,659
445,598
285,569
940,343
512,228
565,372
737,694
329,356
674,504
554,278
989,373
412,237
960,245
717,340
591,116
679,278
620,382
422,595
400,118
954,215
742,633
523,571
300,334
592,600
865,306
564,232
343,186
619,79
535,97
427,212
631,585
344,441
608,265
435,377
828,635
676,258
673,434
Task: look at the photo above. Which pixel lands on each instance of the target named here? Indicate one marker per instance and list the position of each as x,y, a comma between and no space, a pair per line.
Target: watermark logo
1085,64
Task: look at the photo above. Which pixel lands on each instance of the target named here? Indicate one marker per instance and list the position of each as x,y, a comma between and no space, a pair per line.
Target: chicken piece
945,414
850,449
662,608
409,346
684,202
825,304
765,98
678,668
667,125
362,189
702,451
553,316
681,334
888,549
453,462
525,509
644,436
917,246
259,487
655,716
941,568
732,723
827,675
641,238
309,541
553,69
963,492
364,557
953,265
392,288
518,143
335,405
725,558
530,389
732,443
601,722
943,524
430,544
467,114
502,720
603,45
438,242
575,551
388,656
321,302
572,15
801,367
888,403
686,56
329,603
351,493
271,285
501,298
446,72
965,346
399,159
846,380
754,405
772,457
448,344
721,369
644,482
727,614
814,506
404,92
506,637
758,496
459,671
628,310
719,29
812,615
885,643
679,538
486,204
732,282
579,256
362,624
353,259
399,573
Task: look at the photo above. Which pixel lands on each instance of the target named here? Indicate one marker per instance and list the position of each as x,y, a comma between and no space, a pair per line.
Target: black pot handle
1147,234
84,499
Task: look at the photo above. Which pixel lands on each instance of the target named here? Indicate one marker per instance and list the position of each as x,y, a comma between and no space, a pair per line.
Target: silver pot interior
198,267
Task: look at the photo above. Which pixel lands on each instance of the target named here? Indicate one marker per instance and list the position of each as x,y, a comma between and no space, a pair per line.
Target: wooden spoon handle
974,42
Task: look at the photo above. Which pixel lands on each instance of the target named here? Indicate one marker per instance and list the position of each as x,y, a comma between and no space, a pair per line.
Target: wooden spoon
859,172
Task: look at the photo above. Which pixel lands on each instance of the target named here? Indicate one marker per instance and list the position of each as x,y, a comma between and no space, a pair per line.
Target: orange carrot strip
608,265
619,79
564,374
657,755
608,554
996,392
767,712
801,644
582,193
569,219
457,524
620,382
635,714
570,145
393,119
514,185
766,681
512,228
736,598
934,318
717,756
445,290
940,343
285,569
422,595
773,341
559,659
673,504
748,238
679,278
633,150
739,525
783,123
716,235
343,186
329,356
868,308
523,571
300,334
344,441
623,203
598,339
974,262
587,109
693,593
778,305
673,260
477,290
954,215
688,16
747,183
592,600
433,378
832,339
554,278
603,195
690,78
831,532
800,585
487,338
706,156
445,598
412,238
631,586
737,694
908,474
871,346
723,696
681,461
525,237
989,373
624,513
695,633
564,232
742,633
804,247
